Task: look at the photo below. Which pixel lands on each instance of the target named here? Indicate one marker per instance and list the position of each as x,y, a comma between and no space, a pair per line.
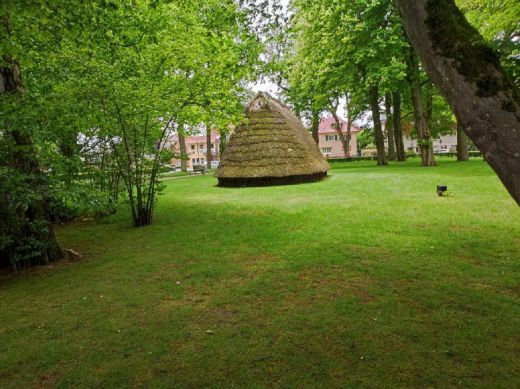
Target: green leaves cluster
345,47
122,75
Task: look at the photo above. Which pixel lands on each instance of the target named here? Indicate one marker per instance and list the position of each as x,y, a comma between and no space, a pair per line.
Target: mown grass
366,279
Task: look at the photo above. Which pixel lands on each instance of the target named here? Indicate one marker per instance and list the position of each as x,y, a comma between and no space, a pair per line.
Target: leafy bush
18,235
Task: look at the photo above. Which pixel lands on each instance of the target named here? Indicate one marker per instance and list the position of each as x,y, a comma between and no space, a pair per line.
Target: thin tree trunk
398,131
378,132
342,137
208,148
468,73
349,119
390,126
420,115
23,158
462,144
222,144
183,152
315,126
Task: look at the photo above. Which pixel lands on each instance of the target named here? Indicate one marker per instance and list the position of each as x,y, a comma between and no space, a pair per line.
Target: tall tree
421,122
469,74
30,236
378,131
182,148
209,156
390,126
398,132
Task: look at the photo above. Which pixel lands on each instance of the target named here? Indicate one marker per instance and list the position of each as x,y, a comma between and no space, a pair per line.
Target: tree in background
351,48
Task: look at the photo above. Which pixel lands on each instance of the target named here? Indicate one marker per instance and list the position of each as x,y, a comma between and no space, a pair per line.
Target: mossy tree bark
468,73
23,159
378,131
398,131
390,127
462,144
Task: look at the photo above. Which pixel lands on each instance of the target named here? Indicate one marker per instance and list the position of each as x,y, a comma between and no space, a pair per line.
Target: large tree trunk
398,131
390,127
23,158
468,73
420,115
378,132
183,152
208,148
462,144
315,126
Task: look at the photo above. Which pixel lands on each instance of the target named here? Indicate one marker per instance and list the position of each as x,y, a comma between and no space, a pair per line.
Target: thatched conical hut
270,148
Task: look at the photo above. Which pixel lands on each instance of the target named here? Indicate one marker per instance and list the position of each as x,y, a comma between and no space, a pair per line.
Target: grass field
366,279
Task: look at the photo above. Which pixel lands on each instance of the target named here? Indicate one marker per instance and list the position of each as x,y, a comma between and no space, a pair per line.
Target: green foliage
498,22
108,82
365,138
18,236
346,47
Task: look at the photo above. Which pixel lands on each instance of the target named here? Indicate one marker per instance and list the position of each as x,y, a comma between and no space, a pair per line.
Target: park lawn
366,279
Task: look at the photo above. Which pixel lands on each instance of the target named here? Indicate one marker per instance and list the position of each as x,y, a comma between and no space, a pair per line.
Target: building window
326,150
201,147
331,137
212,146
193,147
193,161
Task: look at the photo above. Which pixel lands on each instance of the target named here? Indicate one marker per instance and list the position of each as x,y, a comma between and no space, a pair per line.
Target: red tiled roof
326,126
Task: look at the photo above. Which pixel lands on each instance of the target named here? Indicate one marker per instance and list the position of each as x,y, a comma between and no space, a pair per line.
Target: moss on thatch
270,148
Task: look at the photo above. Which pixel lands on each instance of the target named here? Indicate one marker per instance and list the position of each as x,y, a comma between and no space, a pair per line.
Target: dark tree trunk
23,158
345,140
349,119
208,148
378,131
420,115
390,127
222,144
183,152
315,126
468,73
398,131
462,144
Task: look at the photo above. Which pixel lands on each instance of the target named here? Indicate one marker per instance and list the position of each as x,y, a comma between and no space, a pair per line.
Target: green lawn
366,279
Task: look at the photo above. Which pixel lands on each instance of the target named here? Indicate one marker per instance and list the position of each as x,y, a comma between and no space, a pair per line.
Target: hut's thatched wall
271,147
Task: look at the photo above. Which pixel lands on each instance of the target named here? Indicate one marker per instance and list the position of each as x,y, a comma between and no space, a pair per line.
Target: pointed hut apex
271,147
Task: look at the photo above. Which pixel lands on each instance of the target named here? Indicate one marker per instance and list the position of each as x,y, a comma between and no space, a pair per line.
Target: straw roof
270,147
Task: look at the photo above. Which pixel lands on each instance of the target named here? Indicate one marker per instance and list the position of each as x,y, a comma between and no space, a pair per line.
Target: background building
196,149
442,144
329,142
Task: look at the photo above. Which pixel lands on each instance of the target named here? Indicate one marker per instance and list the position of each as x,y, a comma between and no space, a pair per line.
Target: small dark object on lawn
441,189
